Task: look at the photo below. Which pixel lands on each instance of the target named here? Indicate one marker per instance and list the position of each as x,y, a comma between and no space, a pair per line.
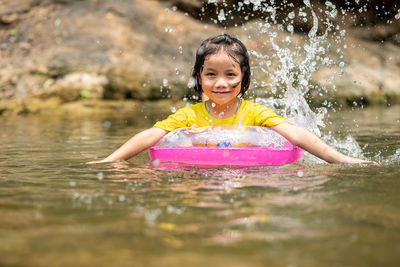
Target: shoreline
95,107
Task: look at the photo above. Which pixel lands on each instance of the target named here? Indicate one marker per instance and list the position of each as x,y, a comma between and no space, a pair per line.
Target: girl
222,73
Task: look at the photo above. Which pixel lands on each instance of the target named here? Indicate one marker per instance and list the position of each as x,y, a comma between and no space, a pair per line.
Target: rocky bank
56,52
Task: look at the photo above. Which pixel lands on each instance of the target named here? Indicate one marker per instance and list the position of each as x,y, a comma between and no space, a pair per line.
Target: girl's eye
210,74
231,74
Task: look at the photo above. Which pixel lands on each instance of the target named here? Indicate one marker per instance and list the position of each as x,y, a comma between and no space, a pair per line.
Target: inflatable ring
225,145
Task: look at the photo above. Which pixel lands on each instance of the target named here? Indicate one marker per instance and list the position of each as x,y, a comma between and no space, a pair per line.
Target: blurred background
56,53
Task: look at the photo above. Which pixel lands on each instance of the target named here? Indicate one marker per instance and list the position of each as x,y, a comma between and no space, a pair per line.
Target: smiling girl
222,73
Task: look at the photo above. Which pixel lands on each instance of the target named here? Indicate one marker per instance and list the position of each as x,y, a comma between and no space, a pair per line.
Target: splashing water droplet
57,22
221,15
100,176
107,124
290,28
165,82
151,216
191,82
397,16
302,14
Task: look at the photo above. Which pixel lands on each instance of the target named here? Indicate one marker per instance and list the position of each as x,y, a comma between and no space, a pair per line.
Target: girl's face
221,78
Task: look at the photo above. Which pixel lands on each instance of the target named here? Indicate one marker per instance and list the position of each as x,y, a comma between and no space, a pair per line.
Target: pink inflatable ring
225,145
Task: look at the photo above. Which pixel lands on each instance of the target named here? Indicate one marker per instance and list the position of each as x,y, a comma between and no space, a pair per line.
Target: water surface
57,211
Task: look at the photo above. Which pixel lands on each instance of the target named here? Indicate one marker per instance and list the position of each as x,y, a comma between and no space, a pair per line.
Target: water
55,210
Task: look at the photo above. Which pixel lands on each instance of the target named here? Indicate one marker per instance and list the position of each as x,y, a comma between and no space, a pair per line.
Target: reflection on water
55,210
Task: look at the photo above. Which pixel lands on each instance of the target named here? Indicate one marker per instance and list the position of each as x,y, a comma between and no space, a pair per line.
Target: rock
75,86
145,49
149,111
128,84
237,12
9,19
17,6
369,75
127,42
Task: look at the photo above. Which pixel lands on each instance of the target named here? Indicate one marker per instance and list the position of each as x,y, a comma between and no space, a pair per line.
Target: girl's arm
135,145
311,143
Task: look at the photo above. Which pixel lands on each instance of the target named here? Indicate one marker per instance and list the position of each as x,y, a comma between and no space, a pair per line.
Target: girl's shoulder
251,105
198,107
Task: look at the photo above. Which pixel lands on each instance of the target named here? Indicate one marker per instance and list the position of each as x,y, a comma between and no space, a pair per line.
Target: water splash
293,59
292,72
289,67
392,159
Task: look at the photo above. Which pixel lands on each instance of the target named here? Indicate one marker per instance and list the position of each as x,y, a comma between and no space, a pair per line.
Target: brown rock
8,19
145,49
75,86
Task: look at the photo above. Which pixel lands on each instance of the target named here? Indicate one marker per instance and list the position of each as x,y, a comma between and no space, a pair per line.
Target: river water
57,211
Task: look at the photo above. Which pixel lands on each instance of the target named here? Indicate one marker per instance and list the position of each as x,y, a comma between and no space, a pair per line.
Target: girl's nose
221,82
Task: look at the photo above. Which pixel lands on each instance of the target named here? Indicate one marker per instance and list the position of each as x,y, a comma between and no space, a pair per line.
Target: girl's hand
361,162
97,161
311,143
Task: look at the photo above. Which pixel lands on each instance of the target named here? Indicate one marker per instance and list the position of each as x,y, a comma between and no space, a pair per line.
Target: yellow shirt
249,113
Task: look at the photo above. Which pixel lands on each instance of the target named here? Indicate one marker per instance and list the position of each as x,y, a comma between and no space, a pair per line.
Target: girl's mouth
221,92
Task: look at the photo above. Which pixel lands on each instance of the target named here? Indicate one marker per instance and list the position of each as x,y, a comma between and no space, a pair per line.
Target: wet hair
233,47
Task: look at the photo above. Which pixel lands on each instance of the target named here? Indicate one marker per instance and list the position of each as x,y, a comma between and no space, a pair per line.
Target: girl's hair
233,47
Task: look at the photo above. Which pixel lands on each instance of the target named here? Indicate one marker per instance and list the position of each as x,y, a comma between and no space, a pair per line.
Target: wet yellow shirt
249,114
